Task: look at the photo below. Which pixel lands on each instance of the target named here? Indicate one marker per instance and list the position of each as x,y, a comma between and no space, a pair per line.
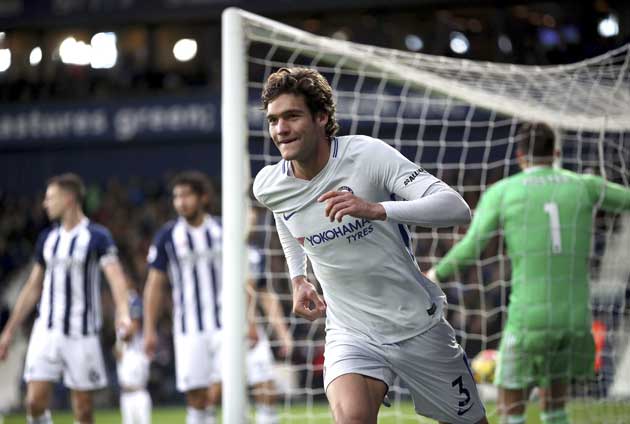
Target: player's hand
306,301
252,335
342,203
286,346
5,341
123,327
150,343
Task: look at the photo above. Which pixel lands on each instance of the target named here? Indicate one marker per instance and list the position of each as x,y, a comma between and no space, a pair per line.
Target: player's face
294,130
56,201
187,203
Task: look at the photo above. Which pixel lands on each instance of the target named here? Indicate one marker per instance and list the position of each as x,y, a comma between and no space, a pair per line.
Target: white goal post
457,118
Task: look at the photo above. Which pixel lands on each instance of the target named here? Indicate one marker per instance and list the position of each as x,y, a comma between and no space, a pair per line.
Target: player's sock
513,419
555,417
195,416
211,415
45,418
266,414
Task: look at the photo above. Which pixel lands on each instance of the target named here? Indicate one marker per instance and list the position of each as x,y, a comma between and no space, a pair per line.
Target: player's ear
322,118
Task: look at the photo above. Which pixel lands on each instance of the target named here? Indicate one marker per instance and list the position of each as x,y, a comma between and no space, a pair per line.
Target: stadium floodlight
505,44
608,27
5,59
104,52
414,43
36,56
185,49
458,118
73,52
459,42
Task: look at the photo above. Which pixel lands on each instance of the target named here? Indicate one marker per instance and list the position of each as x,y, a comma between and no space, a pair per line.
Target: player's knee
36,403
83,414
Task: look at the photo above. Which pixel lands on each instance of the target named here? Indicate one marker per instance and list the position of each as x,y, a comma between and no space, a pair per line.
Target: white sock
45,418
195,416
266,414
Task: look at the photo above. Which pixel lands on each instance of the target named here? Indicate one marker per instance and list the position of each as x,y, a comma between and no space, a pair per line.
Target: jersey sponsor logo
352,231
345,188
413,176
288,216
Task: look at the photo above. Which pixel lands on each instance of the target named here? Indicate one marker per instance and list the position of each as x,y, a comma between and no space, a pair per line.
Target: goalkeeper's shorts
540,357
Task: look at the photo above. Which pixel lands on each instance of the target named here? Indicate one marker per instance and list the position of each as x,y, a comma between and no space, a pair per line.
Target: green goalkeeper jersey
546,215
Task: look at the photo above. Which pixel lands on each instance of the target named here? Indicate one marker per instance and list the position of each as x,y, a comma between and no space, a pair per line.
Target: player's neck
197,220
307,170
71,218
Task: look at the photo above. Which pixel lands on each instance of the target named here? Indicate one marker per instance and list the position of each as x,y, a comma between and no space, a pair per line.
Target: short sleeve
157,257
257,267
103,245
39,247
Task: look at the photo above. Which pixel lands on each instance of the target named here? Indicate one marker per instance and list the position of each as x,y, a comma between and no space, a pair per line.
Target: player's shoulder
47,231
363,145
99,231
165,231
267,178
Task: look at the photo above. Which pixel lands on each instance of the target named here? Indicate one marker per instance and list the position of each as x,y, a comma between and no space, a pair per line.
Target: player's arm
425,200
614,197
306,301
116,279
484,225
273,310
28,297
152,300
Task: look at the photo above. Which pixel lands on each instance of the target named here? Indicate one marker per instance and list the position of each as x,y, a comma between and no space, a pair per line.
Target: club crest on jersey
345,188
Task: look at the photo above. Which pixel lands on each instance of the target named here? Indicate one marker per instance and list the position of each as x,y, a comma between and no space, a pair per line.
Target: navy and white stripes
190,256
70,300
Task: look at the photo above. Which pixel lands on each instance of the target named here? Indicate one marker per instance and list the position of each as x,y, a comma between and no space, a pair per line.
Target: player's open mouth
287,141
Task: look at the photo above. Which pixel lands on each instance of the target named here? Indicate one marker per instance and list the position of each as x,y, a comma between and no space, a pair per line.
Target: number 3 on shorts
459,382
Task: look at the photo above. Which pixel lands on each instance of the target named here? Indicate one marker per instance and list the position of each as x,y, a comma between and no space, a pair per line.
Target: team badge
345,188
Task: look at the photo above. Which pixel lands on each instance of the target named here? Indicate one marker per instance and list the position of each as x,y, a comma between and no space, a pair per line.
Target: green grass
581,412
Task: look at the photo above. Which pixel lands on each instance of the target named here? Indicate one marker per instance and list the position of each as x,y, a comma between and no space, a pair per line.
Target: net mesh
458,118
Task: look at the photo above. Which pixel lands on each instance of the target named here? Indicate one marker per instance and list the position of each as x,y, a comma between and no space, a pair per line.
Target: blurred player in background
187,252
65,280
133,369
546,215
335,200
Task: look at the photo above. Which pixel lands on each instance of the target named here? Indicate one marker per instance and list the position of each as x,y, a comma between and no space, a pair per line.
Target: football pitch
398,414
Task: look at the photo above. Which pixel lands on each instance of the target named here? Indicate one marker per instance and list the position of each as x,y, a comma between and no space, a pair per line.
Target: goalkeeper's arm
484,224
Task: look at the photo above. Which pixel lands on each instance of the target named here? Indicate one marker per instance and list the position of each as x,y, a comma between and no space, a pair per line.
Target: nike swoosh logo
461,412
288,216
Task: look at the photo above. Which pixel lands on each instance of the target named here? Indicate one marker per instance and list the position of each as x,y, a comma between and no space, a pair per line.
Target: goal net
458,119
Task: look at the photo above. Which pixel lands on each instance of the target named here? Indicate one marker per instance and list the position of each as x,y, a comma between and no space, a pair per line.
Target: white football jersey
369,276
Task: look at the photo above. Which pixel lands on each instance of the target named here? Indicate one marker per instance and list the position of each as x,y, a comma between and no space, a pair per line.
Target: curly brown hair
305,82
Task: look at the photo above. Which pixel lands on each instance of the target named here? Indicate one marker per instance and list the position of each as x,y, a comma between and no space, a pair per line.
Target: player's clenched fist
342,203
306,301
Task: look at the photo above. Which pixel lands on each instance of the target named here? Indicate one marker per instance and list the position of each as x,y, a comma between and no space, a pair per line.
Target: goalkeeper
335,201
546,215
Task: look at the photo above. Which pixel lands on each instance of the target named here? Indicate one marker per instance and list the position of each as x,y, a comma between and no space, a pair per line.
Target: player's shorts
260,361
536,358
431,365
52,355
197,360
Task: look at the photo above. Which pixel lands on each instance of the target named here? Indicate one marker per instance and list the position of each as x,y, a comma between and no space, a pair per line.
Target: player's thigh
84,367
43,357
573,356
260,362
517,362
355,398
195,359
348,354
435,369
